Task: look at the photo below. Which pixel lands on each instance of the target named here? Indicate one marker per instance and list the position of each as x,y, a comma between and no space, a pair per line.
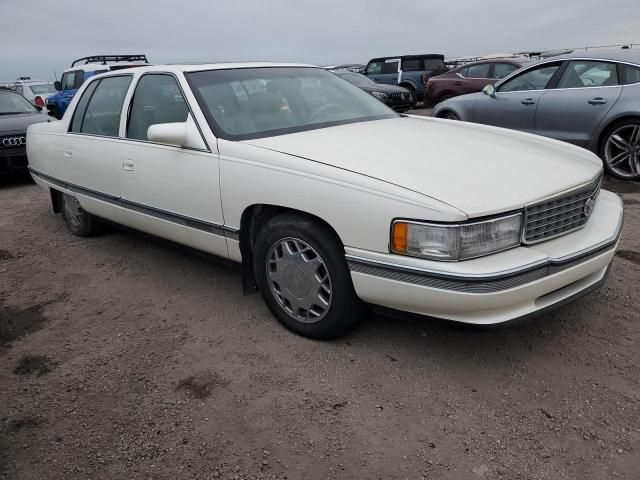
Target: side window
479,71
631,74
374,68
68,80
584,73
102,115
501,70
78,114
78,80
412,65
157,99
536,78
390,66
464,71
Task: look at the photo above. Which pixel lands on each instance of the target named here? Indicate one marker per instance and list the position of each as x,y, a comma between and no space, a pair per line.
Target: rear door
585,93
89,152
516,100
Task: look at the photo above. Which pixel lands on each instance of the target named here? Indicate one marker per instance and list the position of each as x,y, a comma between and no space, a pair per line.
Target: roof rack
110,58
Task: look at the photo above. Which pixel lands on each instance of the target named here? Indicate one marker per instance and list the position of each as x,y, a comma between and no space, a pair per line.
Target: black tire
345,309
448,114
79,222
624,170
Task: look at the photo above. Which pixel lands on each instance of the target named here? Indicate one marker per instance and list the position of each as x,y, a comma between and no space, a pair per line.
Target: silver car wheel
299,280
622,151
73,210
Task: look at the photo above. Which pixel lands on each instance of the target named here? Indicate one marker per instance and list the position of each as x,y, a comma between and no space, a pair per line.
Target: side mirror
57,85
180,134
489,90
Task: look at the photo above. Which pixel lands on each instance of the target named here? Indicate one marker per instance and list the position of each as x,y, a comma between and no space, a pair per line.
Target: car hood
381,87
19,123
478,169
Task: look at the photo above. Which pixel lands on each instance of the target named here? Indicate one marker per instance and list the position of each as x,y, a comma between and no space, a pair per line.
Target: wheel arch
607,126
253,218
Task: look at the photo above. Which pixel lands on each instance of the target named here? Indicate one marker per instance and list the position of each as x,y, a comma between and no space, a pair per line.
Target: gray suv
590,100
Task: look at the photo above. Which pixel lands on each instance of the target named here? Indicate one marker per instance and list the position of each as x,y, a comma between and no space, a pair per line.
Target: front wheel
449,115
78,221
620,150
304,278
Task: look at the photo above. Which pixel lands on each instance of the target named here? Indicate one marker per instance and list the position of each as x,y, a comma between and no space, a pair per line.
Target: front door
384,71
585,93
516,100
169,191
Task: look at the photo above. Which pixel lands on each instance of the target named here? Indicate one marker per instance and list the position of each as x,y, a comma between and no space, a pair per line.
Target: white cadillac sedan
329,199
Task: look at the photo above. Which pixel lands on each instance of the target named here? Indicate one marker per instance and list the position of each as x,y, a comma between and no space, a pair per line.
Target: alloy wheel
299,280
622,151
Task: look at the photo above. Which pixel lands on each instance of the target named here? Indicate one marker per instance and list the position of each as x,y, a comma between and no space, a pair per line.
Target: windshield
42,88
247,103
11,103
357,79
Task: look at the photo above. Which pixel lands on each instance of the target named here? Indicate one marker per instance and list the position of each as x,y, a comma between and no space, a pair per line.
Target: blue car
83,69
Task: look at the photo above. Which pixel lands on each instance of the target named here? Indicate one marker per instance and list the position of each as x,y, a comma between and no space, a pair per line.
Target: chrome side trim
213,228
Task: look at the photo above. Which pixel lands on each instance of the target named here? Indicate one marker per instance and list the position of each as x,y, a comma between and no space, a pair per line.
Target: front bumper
500,287
13,159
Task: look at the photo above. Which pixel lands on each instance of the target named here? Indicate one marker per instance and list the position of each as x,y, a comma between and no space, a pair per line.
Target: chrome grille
560,215
399,96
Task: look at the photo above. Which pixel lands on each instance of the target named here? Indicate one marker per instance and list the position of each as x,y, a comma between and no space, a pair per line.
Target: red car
468,78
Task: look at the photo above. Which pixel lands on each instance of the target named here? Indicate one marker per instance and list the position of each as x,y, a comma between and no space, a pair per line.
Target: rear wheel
303,276
620,150
78,221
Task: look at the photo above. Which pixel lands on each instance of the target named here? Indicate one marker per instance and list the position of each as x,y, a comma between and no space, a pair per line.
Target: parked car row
289,169
592,101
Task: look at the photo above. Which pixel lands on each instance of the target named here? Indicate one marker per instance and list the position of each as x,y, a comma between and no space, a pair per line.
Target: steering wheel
324,109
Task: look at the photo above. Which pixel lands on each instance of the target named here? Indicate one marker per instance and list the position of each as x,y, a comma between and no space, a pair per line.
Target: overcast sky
38,36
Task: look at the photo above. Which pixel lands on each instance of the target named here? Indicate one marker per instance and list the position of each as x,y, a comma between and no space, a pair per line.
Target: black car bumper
13,160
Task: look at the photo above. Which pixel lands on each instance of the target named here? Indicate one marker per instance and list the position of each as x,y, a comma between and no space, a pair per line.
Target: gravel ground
125,357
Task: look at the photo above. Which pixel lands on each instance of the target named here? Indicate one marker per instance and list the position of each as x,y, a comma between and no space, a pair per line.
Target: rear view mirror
57,85
180,134
489,90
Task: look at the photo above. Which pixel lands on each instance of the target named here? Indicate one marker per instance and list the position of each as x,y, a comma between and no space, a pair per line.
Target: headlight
451,242
380,95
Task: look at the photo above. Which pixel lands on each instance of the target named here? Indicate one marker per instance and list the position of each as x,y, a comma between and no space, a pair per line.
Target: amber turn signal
400,232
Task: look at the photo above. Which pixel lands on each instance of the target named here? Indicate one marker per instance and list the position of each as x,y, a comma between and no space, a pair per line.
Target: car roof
617,55
436,56
198,67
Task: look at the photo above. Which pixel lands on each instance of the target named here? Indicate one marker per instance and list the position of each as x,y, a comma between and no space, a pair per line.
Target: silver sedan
590,100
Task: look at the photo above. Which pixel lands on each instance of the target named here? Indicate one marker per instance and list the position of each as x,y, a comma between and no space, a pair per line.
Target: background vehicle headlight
450,242
380,95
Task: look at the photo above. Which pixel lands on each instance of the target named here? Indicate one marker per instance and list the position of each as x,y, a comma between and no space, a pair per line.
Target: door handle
458,82
128,165
597,101
528,101
68,153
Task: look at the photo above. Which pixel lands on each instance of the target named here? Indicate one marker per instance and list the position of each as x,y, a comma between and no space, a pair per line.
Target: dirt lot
123,357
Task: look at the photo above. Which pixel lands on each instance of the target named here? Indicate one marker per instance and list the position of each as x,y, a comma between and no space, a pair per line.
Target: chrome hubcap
622,151
299,280
73,210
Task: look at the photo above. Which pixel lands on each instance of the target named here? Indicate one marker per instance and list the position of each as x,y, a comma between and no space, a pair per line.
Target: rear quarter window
630,74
